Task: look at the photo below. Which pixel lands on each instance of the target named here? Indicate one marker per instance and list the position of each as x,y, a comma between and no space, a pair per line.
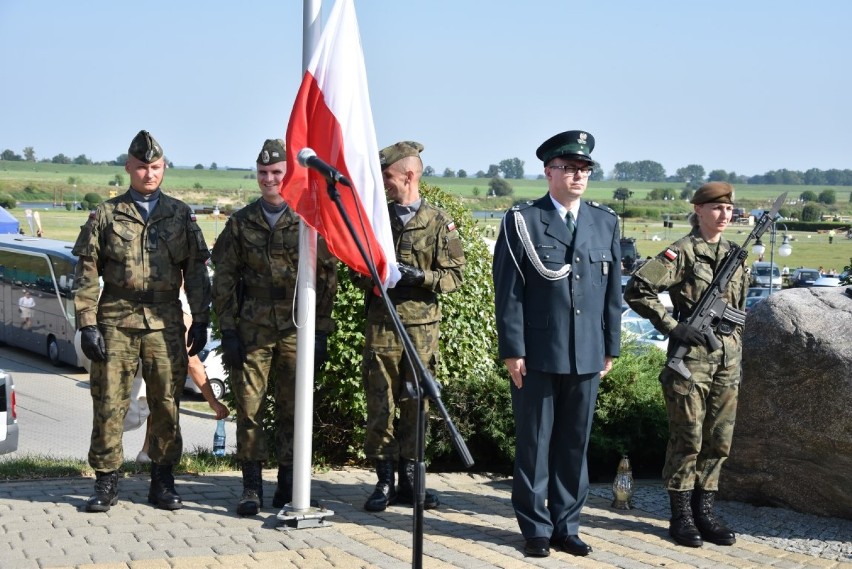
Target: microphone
309,159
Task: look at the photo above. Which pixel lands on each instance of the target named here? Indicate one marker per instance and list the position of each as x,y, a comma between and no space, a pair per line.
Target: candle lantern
622,486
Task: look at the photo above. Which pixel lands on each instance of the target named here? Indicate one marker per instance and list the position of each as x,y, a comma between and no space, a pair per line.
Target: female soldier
701,409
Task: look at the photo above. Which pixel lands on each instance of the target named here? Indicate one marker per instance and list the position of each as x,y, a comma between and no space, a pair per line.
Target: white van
760,274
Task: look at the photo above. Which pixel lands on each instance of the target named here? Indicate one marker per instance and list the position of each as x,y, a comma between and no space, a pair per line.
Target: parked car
215,369
757,291
827,281
8,414
752,300
804,277
641,330
762,272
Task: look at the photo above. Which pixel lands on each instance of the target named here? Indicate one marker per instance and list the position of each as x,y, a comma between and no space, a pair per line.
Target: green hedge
475,385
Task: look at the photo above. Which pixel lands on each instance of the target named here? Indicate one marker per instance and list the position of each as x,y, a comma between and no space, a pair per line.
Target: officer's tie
569,223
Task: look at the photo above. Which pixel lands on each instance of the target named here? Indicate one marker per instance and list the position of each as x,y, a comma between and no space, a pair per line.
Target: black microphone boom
309,159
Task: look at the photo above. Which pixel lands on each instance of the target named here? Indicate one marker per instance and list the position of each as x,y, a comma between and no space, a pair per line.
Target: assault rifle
712,312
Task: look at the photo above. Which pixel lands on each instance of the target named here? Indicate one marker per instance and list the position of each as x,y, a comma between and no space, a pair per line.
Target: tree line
692,175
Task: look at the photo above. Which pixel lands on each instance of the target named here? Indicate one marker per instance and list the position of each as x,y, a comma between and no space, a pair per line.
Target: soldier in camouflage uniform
143,244
702,409
431,261
256,261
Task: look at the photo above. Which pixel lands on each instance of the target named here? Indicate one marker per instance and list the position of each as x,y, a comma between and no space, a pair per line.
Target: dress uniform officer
701,409
557,280
144,245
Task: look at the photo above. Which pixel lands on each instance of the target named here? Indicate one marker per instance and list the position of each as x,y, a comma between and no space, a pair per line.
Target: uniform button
577,260
577,277
577,311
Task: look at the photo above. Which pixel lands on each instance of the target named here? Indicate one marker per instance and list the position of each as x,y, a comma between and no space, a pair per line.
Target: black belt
142,296
266,293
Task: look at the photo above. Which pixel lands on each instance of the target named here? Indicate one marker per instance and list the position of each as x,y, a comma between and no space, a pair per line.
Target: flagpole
306,309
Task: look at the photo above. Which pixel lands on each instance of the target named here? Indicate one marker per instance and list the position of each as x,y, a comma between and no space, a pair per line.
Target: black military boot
252,499
284,489
162,492
682,526
708,525
385,494
106,492
405,491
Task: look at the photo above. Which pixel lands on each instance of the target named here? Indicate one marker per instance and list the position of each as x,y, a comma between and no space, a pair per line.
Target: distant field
809,249
237,187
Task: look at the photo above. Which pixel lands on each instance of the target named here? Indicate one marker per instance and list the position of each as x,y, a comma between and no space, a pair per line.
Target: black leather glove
320,349
197,338
688,335
411,276
92,343
233,351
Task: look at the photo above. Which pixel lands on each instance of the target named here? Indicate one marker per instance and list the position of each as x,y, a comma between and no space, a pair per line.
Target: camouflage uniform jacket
686,269
250,254
153,257
429,241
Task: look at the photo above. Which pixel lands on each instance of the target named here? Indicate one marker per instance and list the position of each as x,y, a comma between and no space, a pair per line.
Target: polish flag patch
670,255
451,226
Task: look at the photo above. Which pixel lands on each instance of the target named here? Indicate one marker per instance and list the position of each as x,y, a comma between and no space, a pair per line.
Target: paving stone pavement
43,525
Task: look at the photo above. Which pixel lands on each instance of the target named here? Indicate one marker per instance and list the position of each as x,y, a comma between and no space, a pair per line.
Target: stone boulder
793,438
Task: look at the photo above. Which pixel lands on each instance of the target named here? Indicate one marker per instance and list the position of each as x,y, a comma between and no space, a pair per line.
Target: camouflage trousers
269,365
164,362
702,411
386,371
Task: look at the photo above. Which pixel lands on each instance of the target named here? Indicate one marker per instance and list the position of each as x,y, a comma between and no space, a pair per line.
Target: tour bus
36,301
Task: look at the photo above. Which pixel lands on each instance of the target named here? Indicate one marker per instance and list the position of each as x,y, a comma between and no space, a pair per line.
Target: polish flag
332,116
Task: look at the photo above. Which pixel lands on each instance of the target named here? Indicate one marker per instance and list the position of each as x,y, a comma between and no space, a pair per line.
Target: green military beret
273,151
714,192
145,147
573,144
398,151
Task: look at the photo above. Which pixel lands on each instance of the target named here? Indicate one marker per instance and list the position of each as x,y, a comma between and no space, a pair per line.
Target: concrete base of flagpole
313,517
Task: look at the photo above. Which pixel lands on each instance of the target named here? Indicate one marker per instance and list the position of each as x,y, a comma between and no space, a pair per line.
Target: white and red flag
332,115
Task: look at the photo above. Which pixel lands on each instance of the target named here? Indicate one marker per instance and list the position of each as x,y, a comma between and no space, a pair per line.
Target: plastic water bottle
219,438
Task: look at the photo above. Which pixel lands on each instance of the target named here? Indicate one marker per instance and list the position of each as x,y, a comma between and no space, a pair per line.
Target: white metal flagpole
306,310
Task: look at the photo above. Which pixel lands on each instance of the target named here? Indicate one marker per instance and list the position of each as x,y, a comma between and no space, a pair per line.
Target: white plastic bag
137,413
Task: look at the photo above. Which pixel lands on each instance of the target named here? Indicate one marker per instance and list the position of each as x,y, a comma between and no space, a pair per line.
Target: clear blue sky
745,86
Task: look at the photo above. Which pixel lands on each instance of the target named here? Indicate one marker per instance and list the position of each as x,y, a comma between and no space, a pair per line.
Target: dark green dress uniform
429,241
254,290
701,409
143,264
564,324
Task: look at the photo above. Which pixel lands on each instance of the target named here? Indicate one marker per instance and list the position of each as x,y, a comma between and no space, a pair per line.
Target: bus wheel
53,351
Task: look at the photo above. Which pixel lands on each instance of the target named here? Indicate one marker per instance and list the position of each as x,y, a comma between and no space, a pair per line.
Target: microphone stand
426,386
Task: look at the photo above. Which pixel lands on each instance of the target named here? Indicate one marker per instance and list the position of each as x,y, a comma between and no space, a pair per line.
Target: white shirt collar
563,211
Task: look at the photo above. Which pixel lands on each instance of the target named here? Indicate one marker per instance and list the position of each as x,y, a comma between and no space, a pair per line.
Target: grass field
47,182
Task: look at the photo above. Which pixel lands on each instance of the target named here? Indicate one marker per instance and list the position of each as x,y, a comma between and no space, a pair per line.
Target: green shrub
7,201
91,200
468,371
631,415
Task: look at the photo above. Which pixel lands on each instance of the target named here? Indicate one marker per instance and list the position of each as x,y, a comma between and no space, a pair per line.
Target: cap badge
264,157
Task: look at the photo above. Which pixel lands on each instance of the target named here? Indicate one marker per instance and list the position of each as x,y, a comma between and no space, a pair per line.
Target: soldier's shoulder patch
602,207
451,226
520,206
670,254
92,214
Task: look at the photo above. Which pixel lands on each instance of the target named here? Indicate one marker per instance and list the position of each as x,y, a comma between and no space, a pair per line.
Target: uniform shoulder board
520,206
602,207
